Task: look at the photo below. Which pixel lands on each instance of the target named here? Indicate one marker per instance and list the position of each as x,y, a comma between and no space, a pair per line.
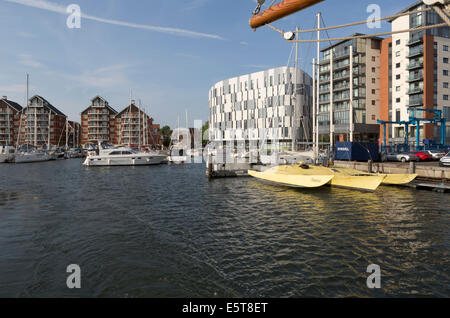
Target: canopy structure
279,11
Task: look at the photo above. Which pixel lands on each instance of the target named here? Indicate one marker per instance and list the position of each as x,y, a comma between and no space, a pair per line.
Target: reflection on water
167,232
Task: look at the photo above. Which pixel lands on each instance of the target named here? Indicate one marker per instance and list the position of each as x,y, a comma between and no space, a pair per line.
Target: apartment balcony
415,78
415,102
418,90
412,42
415,53
413,66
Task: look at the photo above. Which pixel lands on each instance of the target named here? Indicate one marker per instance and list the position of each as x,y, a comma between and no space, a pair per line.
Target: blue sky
169,70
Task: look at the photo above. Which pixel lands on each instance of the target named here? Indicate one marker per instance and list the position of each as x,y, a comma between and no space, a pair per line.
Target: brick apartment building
98,122
9,121
42,124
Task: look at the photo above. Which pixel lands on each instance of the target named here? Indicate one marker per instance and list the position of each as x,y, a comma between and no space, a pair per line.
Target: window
398,100
397,54
397,76
397,89
445,97
374,80
446,85
374,58
445,60
374,92
397,65
373,103
445,72
397,42
373,70
446,48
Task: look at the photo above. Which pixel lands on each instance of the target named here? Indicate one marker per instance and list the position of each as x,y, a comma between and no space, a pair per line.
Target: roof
106,104
409,8
343,41
132,107
47,104
14,105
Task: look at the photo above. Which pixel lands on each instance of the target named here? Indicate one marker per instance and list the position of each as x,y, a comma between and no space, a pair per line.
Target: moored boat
308,176
123,156
31,156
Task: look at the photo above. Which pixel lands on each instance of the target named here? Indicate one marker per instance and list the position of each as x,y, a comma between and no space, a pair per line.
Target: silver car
436,154
445,161
402,157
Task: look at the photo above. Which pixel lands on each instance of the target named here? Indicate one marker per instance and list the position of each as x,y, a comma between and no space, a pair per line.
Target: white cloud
104,77
243,43
49,6
27,60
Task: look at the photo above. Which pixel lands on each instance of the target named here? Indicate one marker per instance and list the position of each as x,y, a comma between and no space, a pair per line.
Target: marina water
165,231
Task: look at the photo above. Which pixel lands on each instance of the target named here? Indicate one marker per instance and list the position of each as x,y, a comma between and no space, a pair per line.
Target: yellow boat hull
316,176
397,179
297,181
394,179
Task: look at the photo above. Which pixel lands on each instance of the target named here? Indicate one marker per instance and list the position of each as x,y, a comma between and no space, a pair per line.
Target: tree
166,134
205,136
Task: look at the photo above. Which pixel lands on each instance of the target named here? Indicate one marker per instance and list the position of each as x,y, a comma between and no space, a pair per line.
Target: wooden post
370,166
412,167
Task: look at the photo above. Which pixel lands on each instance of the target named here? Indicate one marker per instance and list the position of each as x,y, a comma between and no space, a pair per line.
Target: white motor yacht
122,156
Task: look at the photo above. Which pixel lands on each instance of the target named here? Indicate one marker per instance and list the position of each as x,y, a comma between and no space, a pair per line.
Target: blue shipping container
357,151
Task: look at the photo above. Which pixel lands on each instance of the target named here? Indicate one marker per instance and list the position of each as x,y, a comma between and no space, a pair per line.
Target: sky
168,53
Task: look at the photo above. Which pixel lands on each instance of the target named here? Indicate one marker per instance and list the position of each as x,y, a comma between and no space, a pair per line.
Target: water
167,232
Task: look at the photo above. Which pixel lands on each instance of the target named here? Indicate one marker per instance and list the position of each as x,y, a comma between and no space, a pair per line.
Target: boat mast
139,121
9,125
314,110
48,133
351,94
67,134
295,120
318,84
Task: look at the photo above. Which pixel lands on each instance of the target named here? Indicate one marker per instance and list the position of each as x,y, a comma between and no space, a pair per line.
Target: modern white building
263,107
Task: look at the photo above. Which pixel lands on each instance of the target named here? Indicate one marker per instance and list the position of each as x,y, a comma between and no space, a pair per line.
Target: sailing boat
27,153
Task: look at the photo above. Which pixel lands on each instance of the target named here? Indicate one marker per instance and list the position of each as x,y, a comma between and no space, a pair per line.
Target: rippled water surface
167,232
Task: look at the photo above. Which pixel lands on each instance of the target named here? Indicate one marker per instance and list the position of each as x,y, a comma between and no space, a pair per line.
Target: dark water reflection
167,232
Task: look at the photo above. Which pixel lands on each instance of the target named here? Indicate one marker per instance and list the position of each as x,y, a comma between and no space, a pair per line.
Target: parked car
445,161
423,156
403,157
436,154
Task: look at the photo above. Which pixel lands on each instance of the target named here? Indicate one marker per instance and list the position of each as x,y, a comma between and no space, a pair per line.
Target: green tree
205,136
166,134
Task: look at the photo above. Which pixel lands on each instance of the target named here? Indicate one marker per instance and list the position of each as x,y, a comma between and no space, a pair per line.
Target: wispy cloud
53,7
27,60
243,43
104,77
194,4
